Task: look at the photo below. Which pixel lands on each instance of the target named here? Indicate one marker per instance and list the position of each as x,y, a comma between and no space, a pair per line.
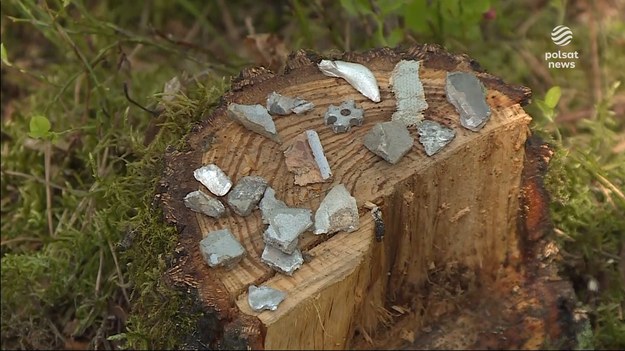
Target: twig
17,240
574,116
348,35
43,181
231,29
536,66
153,113
98,279
120,277
47,164
594,58
612,187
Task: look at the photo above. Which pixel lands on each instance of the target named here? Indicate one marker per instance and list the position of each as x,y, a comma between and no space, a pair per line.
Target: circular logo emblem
561,35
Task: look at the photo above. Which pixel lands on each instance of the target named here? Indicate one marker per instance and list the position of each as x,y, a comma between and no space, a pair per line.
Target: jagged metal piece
468,95
214,179
284,105
389,140
246,194
304,158
255,118
344,116
264,298
285,226
201,202
269,203
280,261
434,136
338,211
359,76
409,94
301,162
320,157
221,249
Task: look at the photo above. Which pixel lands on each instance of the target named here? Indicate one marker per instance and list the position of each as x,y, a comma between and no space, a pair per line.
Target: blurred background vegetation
86,113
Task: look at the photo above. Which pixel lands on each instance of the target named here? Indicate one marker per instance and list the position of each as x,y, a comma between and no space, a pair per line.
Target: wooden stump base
456,223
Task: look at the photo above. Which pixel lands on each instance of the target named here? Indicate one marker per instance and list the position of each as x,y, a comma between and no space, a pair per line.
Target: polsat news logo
561,36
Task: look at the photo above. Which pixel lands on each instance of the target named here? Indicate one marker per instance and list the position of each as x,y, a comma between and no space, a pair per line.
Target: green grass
84,249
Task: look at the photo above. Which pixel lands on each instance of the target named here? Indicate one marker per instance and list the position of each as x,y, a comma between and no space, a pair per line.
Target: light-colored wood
459,206
437,215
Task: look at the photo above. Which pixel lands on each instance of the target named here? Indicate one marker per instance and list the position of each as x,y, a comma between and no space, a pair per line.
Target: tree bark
462,228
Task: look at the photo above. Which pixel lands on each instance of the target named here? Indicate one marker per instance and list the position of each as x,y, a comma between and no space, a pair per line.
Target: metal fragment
301,162
305,159
434,136
221,249
468,95
214,179
264,298
285,105
338,211
409,94
389,140
320,157
255,118
280,261
246,194
359,76
201,202
344,116
285,226
269,203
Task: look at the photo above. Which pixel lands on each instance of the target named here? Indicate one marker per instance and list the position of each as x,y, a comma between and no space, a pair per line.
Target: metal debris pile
304,156
285,225
463,90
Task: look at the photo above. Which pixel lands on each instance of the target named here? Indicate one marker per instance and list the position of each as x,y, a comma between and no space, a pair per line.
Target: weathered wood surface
458,209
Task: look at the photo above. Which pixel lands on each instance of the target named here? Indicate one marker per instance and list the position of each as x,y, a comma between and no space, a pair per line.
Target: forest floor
90,101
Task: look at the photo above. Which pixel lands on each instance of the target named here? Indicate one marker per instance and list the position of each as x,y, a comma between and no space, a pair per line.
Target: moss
64,274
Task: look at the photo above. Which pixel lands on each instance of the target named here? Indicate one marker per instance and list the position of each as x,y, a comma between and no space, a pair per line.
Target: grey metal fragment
344,116
246,194
320,157
255,118
201,202
285,105
221,249
467,94
214,179
269,203
264,298
280,261
285,226
171,88
389,140
300,161
338,211
359,76
434,136
409,94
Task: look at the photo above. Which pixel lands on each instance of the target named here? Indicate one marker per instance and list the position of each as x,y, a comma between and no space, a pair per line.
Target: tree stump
462,262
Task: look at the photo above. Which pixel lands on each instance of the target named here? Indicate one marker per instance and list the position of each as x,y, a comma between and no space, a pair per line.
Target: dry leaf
266,50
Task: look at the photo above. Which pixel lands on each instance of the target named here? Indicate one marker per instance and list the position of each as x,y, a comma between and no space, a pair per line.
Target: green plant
586,180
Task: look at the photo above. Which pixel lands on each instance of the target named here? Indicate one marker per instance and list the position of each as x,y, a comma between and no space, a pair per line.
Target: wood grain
460,205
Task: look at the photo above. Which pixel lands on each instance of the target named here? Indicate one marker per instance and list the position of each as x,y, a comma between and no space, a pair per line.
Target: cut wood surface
458,208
